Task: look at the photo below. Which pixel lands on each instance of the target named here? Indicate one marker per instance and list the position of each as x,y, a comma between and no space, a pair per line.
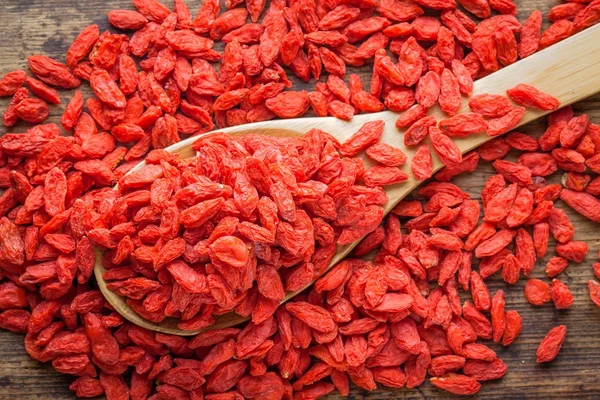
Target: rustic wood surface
48,27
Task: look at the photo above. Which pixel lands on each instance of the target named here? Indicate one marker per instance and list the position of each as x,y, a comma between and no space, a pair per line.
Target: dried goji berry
561,295
457,384
551,344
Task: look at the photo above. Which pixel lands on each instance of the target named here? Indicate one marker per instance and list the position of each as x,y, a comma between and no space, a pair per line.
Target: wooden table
48,27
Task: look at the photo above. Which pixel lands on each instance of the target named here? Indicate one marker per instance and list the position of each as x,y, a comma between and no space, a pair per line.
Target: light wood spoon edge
568,70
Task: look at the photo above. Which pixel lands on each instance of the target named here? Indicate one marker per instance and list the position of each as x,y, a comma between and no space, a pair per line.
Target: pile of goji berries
210,233
251,217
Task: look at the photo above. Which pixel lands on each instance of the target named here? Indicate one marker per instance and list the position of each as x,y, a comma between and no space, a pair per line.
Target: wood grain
48,27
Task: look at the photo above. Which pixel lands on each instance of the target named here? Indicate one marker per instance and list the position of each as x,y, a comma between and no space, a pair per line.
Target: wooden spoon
569,71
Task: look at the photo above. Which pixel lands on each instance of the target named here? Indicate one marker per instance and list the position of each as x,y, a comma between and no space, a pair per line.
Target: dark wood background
49,26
